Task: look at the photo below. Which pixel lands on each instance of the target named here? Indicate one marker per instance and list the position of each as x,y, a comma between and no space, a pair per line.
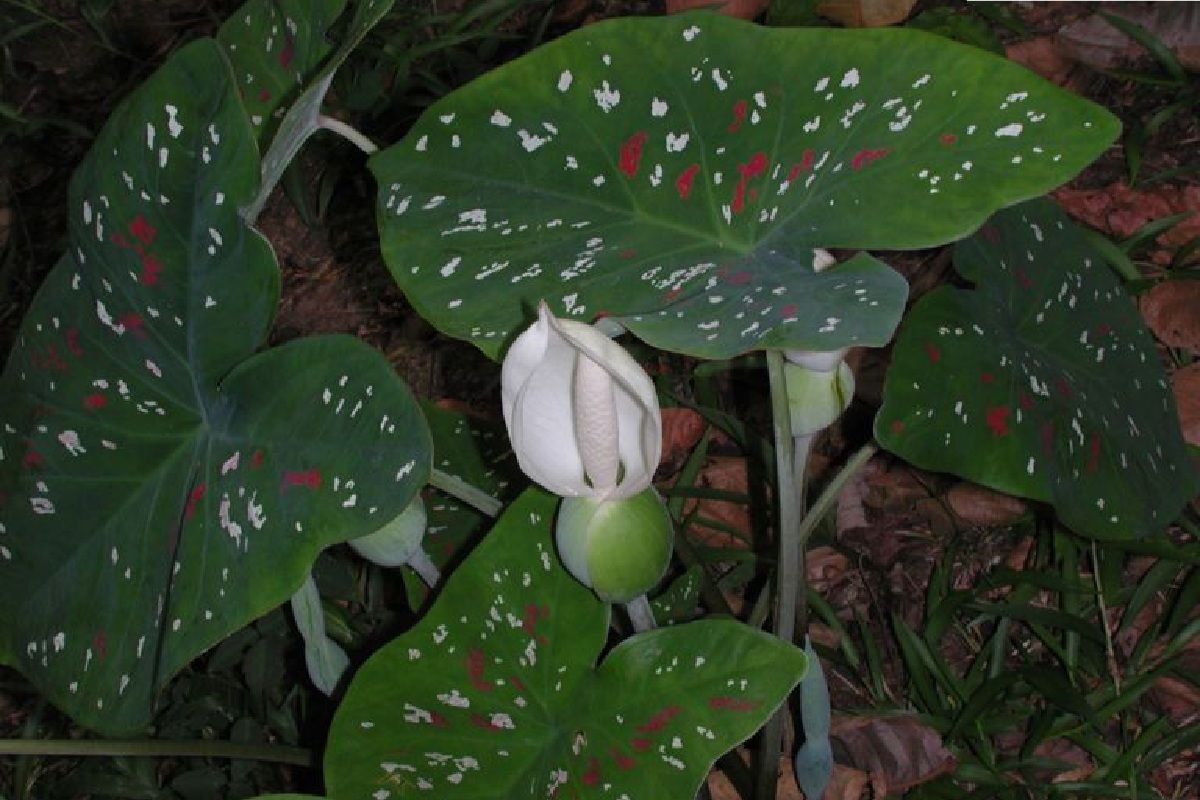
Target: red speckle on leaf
308,478
1103,329
639,743
933,351
740,278
631,153
1047,436
1023,279
1063,387
437,720
256,458
948,138
143,230
531,616
116,238
194,497
32,459
1024,401
1093,461
151,267
95,400
100,643
997,420
739,116
483,723
789,310
628,252
756,164
592,776
807,159
731,704
516,683
864,157
683,184
475,666
72,339
49,359
623,762
659,720
286,54
264,95
897,426
133,323
987,377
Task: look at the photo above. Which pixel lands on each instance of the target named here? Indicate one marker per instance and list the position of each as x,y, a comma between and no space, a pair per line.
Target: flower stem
478,499
423,565
789,561
347,132
640,614
197,748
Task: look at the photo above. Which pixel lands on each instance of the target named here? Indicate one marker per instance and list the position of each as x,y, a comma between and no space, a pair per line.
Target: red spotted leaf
162,482
677,172
496,692
1041,382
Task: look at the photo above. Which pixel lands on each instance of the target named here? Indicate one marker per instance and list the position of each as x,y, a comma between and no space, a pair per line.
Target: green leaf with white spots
1041,382
276,48
676,173
161,482
496,692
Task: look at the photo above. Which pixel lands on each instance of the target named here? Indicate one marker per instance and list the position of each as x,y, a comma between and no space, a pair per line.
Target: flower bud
396,542
619,548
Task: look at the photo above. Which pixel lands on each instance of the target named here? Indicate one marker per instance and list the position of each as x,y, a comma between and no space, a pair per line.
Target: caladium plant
163,482
677,173
496,692
1042,381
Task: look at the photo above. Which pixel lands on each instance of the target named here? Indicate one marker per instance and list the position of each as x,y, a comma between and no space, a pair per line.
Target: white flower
582,415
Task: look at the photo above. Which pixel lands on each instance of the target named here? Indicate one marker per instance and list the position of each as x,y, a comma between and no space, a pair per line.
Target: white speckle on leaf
500,119
564,80
606,96
1011,129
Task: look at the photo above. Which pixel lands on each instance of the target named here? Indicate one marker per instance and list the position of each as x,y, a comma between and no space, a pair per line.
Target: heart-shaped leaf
1041,382
676,173
495,693
162,484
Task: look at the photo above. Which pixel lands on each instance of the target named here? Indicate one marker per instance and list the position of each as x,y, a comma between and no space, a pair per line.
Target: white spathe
582,415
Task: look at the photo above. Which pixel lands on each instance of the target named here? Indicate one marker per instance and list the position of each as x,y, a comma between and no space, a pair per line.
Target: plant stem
478,499
195,748
829,496
423,565
789,563
347,132
640,614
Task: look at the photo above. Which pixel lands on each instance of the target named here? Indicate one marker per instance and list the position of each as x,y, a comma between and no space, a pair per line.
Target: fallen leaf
1018,558
866,13
744,9
1099,44
1121,211
1043,56
727,473
1172,311
1178,699
848,783
824,635
825,568
977,505
1074,762
898,752
681,431
1185,383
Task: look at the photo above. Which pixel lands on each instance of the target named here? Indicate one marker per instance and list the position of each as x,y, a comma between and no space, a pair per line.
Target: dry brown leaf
898,752
824,635
848,783
866,13
1186,385
1100,45
745,9
1119,210
977,505
681,431
825,568
727,473
1019,556
1076,764
1178,699
1043,56
1172,310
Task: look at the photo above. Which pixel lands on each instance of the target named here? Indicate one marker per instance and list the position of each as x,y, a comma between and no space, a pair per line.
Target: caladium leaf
276,47
162,483
496,694
676,173
1041,381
